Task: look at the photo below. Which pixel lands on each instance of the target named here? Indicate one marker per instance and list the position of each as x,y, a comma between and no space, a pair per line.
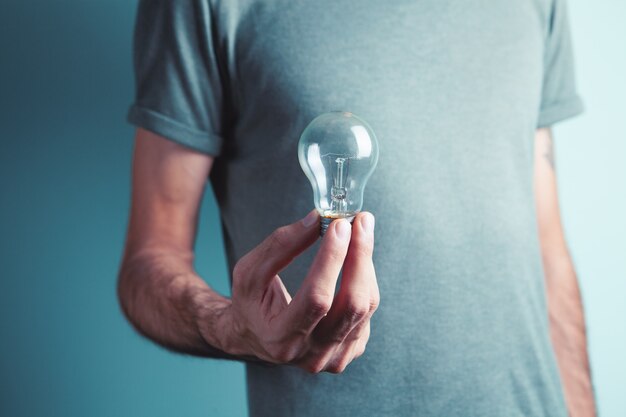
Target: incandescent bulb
338,152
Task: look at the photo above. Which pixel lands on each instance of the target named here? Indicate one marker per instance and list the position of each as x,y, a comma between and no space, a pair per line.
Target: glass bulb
338,152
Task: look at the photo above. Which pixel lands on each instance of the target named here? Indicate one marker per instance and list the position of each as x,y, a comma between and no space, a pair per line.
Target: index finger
262,263
315,296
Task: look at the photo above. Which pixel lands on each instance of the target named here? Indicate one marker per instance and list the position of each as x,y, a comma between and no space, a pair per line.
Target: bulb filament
338,191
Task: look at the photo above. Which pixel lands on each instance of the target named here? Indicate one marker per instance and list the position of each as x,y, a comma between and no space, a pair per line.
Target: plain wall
65,348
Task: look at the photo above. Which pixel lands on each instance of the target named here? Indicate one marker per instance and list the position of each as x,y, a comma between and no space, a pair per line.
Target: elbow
124,293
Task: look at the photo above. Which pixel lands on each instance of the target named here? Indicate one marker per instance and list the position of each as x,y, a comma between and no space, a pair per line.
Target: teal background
66,350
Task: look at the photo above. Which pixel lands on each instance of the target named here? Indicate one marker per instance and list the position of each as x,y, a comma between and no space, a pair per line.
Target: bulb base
326,221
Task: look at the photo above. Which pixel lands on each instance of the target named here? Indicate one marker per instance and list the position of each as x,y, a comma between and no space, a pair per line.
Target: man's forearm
168,303
567,328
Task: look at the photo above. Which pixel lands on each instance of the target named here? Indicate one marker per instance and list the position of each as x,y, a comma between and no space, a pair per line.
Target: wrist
218,327
210,309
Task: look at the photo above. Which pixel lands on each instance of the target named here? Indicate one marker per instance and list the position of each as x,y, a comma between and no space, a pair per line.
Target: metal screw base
324,223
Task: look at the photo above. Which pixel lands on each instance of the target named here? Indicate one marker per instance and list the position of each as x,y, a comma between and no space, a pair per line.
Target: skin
565,309
165,299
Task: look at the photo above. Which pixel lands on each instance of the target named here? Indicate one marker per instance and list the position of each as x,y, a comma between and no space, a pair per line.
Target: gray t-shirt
455,91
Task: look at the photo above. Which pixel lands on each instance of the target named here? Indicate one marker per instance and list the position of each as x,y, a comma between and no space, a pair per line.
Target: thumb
277,251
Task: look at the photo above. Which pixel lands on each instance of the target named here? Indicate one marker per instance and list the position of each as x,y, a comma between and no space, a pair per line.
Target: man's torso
452,89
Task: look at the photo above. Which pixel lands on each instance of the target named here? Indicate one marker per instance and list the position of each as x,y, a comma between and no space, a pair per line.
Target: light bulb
338,152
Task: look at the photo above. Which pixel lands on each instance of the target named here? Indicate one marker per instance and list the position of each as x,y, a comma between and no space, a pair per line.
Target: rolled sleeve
204,142
559,95
179,85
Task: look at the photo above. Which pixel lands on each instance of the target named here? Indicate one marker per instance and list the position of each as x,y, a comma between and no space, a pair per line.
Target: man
468,240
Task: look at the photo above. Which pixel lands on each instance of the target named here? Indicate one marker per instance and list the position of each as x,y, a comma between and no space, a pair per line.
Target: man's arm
567,322
158,288
168,302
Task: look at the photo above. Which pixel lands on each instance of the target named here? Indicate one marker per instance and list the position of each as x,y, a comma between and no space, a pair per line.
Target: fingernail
310,219
368,222
343,229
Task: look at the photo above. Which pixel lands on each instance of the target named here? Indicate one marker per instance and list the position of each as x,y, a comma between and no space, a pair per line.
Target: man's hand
317,330
166,300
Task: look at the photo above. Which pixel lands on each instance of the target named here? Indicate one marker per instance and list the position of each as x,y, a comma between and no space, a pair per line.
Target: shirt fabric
454,91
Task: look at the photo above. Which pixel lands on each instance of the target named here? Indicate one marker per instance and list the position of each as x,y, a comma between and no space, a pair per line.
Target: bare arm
158,288
567,322
168,302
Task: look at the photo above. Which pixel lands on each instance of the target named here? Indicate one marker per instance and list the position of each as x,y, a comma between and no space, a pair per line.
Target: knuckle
355,314
356,310
365,335
239,268
314,367
280,356
339,366
318,304
336,369
284,356
282,353
240,277
359,351
242,268
374,303
280,237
